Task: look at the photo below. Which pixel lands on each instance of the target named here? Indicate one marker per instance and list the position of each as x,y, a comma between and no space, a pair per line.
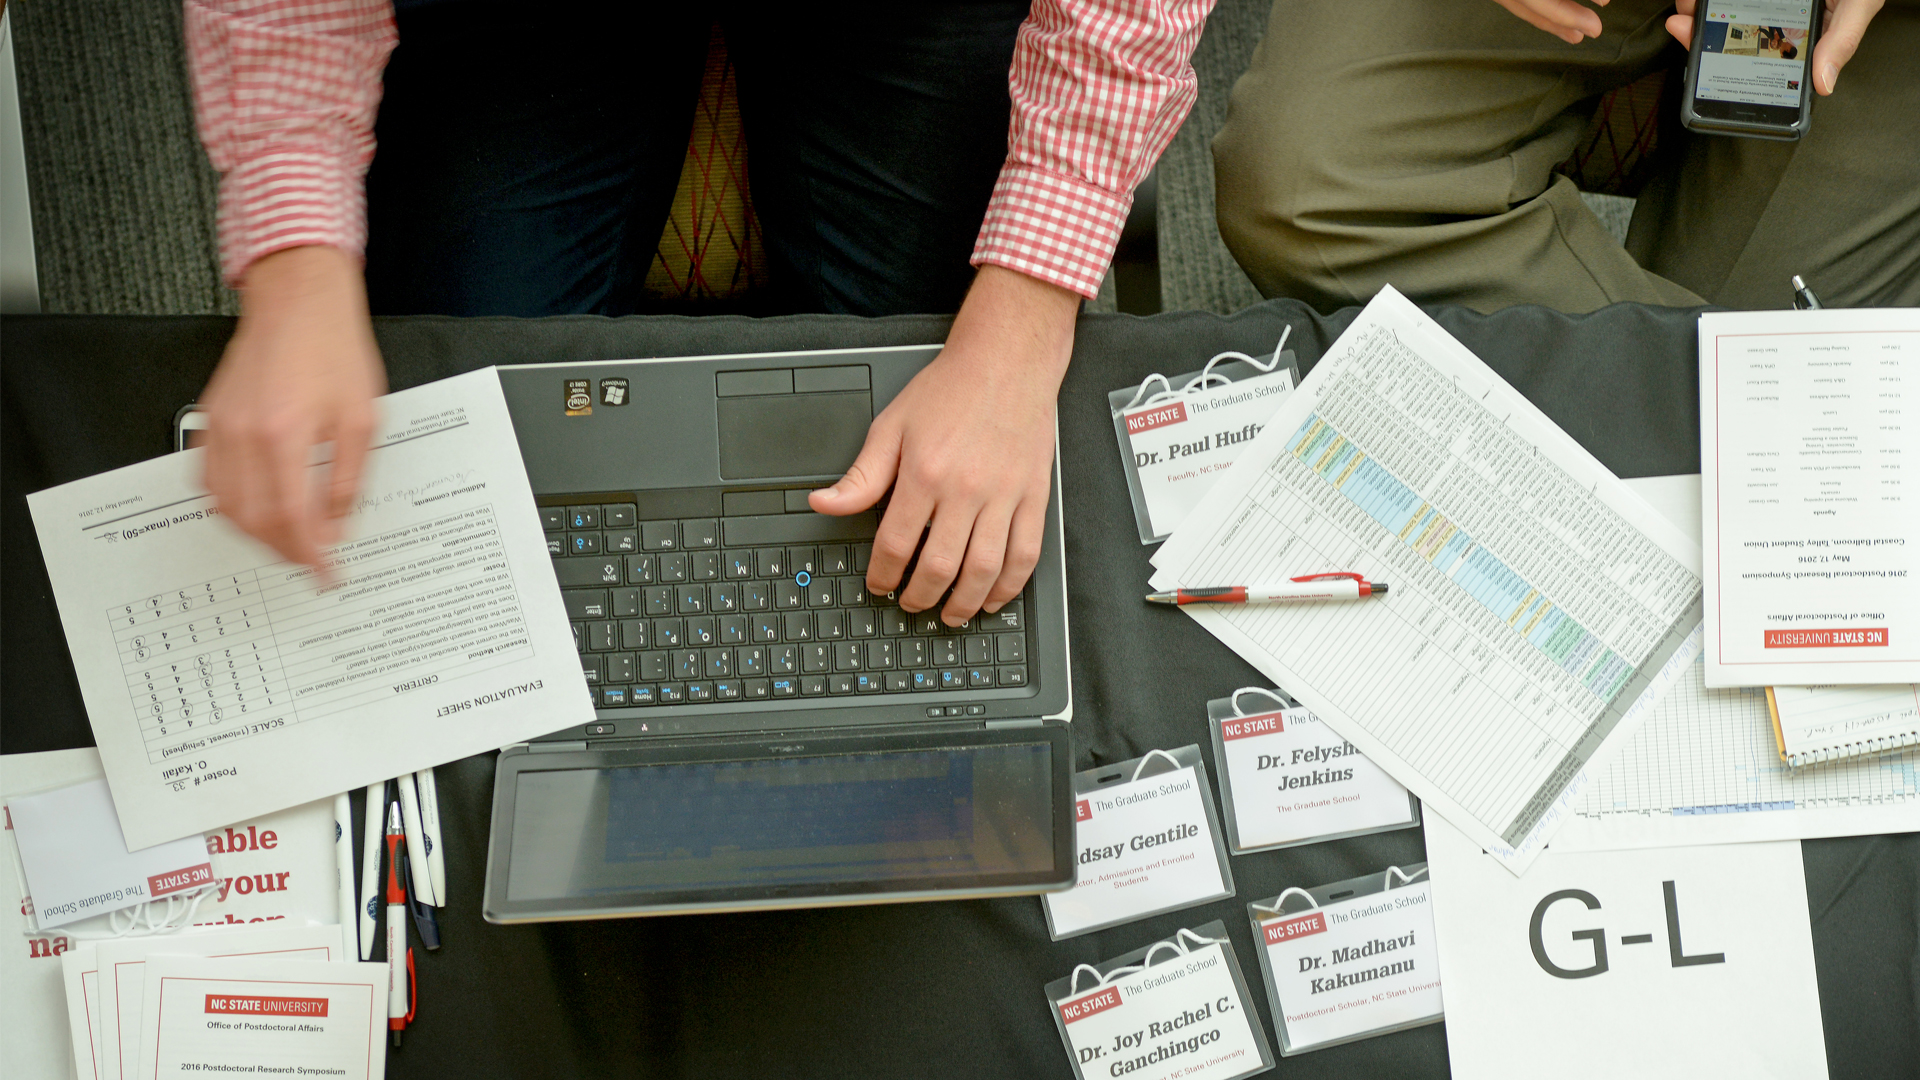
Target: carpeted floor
123,196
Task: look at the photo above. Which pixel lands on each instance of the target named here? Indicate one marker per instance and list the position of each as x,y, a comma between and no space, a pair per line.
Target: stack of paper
273,871
1812,539
1535,674
255,1000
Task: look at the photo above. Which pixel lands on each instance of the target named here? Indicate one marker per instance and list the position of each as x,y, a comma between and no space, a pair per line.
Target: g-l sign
1598,938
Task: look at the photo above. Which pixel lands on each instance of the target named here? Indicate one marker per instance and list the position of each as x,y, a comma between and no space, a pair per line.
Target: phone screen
1753,59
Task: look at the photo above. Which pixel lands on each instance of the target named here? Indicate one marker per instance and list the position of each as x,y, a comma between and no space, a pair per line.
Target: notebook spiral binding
1855,749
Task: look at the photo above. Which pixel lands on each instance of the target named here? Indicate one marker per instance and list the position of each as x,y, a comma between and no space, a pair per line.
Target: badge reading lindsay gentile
1351,968
1144,847
1181,446
1288,779
1181,1017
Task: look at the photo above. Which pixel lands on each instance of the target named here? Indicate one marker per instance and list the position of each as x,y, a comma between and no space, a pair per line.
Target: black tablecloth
933,990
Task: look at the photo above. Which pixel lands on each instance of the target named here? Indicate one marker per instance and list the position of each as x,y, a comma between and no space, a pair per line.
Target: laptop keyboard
766,604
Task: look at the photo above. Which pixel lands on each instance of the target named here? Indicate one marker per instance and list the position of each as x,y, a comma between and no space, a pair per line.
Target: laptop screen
925,817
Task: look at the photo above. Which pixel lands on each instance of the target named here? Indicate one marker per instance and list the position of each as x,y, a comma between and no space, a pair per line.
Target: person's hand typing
302,370
968,448
1844,24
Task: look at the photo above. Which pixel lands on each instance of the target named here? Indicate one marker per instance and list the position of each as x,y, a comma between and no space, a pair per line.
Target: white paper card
223,683
34,1032
1143,847
206,1017
1812,538
1354,967
80,980
77,861
1699,958
123,976
1291,779
1183,1017
1179,447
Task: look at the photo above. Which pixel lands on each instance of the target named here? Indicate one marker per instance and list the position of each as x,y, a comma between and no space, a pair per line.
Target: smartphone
1749,66
188,423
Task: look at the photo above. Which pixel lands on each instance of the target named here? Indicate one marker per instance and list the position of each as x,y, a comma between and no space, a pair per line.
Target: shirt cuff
1053,227
289,198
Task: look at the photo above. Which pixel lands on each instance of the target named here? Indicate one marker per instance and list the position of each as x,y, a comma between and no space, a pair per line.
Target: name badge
1351,968
1177,1008
76,860
1288,779
1176,443
1146,842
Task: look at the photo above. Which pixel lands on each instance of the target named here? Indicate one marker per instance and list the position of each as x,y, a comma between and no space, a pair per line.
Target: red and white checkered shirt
286,92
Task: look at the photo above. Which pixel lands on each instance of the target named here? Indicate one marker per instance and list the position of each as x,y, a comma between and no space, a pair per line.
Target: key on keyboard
755,607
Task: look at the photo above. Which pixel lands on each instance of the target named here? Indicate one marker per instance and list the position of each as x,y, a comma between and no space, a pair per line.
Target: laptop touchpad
778,435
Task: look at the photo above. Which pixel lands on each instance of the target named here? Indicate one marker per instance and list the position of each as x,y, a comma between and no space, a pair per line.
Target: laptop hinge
556,747
992,725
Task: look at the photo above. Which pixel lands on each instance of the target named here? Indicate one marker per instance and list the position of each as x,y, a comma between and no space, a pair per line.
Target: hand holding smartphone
1748,68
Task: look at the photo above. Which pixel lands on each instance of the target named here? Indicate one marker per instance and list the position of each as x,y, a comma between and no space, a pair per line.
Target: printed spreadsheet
1535,600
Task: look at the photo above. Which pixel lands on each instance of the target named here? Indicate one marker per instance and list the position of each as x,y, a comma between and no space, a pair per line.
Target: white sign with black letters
1144,846
1351,968
1289,779
1701,957
1182,1016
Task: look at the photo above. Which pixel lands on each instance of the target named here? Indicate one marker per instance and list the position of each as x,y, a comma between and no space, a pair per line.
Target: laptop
767,734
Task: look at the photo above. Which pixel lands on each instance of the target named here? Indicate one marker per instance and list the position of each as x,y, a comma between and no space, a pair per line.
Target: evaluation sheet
223,683
1538,607
1808,446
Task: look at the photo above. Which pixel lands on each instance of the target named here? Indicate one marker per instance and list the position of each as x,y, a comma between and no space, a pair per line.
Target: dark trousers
528,155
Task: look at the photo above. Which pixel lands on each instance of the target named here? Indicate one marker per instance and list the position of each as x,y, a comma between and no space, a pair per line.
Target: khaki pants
1412,143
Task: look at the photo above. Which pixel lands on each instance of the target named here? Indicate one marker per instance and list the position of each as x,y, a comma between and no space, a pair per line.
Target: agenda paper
1538,609
223,683
1808,442
263,1017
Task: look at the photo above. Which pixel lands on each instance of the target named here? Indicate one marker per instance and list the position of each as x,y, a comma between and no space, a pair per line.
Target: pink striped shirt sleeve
1099,88
285,93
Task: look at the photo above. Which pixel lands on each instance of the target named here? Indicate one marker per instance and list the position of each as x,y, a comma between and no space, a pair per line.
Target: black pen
1803,298
423,917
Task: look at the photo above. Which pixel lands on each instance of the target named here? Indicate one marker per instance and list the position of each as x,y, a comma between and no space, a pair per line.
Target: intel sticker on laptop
579,397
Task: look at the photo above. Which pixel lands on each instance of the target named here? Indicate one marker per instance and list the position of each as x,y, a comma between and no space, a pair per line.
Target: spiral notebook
1825,723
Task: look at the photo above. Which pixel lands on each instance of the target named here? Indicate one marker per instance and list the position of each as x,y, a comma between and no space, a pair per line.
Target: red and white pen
1307,589
400,999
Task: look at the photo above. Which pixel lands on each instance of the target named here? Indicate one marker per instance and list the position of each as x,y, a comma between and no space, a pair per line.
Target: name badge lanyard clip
1063,994
1124,400
1063,910
1244,836
1205,379
1330,901
1178,943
